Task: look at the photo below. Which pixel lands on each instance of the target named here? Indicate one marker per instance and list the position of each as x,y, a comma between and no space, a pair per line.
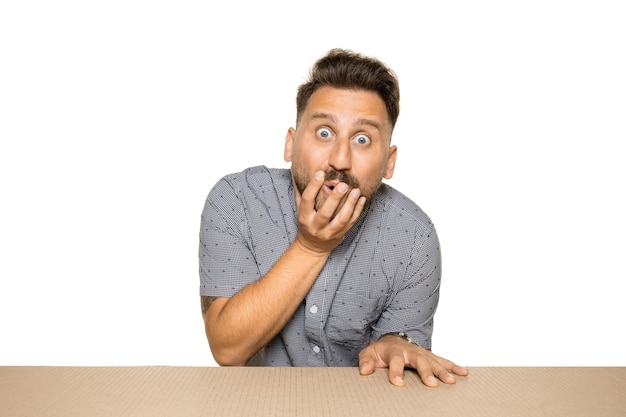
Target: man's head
341,68
346,113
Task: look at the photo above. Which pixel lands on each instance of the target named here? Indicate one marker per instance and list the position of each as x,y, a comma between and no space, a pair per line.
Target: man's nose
340,157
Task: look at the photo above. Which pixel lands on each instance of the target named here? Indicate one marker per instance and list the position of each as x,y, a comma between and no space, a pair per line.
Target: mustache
333,174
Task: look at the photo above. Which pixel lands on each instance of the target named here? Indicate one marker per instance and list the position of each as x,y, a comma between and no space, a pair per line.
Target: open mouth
331,184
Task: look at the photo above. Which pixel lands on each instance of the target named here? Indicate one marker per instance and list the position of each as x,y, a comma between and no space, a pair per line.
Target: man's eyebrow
321,115
369,122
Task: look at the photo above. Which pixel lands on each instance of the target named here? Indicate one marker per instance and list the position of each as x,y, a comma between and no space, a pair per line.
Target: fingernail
355,193
398,380
432,379
319,175
342,188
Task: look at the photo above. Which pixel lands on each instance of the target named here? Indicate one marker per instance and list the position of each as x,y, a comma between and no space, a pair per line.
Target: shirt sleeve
225,260
413,304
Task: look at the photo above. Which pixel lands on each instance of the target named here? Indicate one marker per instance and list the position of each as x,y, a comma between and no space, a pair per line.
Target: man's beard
302,180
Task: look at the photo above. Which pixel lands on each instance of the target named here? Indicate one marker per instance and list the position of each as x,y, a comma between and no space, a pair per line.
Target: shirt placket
314,319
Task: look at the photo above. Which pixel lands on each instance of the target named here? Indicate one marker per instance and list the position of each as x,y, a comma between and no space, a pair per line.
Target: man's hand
322,229
396,353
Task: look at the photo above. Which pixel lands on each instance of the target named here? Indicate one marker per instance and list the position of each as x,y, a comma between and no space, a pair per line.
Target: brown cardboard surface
246,391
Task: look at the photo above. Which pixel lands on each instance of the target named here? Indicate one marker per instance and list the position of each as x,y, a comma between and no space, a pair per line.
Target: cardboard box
248,391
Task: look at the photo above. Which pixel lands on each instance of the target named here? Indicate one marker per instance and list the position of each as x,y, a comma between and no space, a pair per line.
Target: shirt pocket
351,318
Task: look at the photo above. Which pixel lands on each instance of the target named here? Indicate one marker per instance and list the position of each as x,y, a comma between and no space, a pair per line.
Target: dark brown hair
341,68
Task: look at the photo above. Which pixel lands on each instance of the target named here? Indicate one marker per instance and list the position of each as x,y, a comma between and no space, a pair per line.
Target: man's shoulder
254,187
258,176
393,200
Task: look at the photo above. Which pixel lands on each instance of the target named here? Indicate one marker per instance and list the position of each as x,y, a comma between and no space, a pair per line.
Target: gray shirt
384,276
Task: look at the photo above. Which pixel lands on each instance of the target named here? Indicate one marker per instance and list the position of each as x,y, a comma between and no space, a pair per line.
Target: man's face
345,133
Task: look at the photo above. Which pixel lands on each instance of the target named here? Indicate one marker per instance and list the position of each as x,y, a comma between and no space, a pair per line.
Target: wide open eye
362,139
324,133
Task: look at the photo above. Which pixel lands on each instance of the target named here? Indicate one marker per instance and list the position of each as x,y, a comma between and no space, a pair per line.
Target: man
324,264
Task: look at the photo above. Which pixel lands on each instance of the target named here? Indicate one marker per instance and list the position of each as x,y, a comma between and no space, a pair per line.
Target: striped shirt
384,277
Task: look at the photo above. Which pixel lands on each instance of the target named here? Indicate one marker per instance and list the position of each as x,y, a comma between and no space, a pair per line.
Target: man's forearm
249,320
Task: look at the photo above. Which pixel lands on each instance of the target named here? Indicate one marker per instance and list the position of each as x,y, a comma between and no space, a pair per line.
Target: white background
117,117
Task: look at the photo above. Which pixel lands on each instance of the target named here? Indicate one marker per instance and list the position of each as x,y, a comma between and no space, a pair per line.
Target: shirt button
316,349
313,309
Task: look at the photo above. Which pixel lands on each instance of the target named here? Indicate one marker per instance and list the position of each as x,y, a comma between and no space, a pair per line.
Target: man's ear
291,136
391,162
